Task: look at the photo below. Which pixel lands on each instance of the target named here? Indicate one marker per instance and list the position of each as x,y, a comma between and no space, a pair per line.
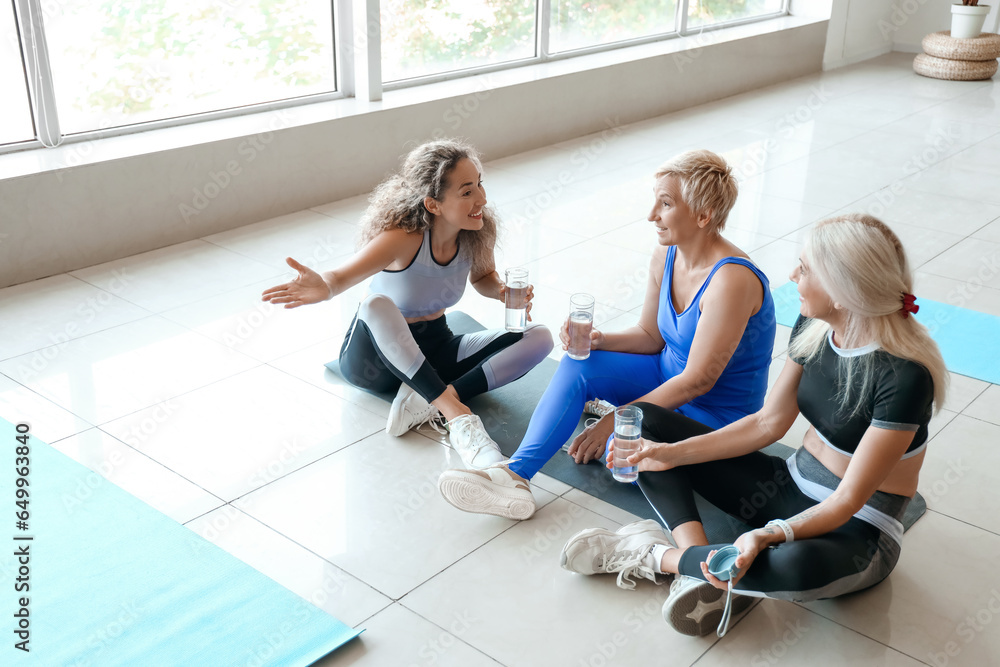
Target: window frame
357,67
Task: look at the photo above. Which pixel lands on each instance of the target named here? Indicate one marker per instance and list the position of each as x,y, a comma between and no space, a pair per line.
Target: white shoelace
627,564
478,437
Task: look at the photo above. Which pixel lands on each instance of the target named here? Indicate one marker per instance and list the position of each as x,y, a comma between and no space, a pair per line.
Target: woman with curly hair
426,232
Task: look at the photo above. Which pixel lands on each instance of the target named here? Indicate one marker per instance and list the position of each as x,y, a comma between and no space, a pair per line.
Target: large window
425,37
99,64
117,62
702,13
15,115
578,24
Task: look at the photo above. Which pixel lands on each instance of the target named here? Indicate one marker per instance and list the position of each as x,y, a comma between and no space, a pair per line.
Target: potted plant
967,19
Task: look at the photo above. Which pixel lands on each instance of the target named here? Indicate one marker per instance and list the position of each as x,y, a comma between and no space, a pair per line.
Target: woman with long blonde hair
427,231
866,375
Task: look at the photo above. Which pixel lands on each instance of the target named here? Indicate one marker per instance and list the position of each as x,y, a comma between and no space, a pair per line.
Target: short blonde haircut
707,184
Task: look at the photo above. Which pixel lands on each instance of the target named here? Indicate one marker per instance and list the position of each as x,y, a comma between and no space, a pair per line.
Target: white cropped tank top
424,286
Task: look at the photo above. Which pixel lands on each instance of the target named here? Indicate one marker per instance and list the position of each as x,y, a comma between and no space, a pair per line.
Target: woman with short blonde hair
828,520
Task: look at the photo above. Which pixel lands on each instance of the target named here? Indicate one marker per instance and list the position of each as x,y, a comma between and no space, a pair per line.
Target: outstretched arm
312,287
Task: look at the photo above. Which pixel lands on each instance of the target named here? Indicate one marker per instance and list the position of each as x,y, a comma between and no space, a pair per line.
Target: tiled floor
165,373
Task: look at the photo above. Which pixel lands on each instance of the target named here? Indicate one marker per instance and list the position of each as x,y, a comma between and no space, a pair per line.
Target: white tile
604,278
961,471
990,232
961,293
962,391
772,216
397,636
147,480
600,507
628,625
112,373
176,275
242,321
550,484
309,365
373,499
987,406
304,573
942,212
310,237
54,310
777,632
928,606
971,261
246,431
347,210
777,259
47,421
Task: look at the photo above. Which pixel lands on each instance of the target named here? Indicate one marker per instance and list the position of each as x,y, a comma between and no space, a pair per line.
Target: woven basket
943,45
954,70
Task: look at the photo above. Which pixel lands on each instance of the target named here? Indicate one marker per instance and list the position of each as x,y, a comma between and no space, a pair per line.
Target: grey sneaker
695,607
597,407
495,490
409,410
628,551
473,443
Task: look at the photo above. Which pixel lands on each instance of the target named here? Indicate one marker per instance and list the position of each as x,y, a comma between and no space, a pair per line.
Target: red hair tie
908,305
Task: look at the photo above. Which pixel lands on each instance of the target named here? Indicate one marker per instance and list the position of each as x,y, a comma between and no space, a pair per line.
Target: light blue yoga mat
969,340
111,581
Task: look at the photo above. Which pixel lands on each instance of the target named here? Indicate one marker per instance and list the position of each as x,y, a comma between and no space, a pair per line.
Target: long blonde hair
861,264
398,202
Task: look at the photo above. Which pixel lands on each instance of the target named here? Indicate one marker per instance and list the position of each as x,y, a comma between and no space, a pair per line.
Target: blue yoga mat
107,580
969,340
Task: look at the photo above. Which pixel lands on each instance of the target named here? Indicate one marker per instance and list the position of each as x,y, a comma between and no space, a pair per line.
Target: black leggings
756,488
381,350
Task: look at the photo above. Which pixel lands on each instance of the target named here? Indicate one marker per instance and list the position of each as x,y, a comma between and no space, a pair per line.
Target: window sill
88,151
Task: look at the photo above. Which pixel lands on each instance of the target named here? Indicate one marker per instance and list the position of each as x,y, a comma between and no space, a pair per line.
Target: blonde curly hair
398,202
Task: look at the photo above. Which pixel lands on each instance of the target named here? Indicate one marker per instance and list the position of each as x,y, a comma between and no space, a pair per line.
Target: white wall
63,219
858,31
910,21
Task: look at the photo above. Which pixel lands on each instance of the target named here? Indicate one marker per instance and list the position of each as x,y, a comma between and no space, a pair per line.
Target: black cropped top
900,398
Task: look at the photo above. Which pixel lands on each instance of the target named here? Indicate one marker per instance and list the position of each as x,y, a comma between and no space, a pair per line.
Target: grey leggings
381,350
756,488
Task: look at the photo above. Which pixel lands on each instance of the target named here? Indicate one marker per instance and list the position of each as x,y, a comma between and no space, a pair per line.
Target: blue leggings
617,377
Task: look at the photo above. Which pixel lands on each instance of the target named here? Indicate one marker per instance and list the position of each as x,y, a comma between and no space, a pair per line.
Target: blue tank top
740,389
424,286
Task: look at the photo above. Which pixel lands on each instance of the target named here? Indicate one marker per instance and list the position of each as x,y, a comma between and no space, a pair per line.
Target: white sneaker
409,410
473,443
496,490
695,607
597,407
628,551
